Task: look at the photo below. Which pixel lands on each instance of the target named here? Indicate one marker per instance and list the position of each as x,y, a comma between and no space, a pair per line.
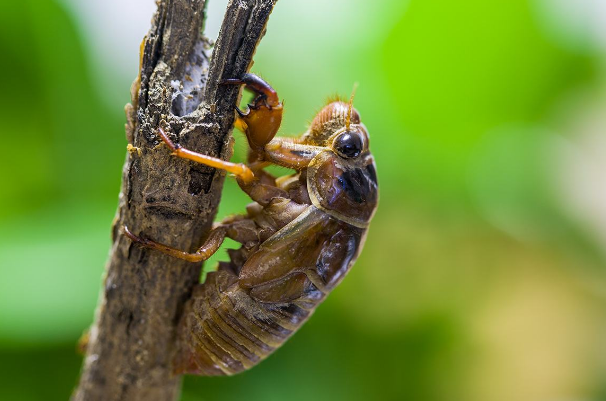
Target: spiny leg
248,182
210,246
242,171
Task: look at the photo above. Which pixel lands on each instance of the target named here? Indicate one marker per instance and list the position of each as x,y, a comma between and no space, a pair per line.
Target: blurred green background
483,275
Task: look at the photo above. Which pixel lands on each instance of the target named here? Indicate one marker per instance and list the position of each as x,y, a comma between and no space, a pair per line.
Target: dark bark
173,201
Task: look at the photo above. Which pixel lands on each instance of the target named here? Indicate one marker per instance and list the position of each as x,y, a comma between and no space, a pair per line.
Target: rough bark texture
170,200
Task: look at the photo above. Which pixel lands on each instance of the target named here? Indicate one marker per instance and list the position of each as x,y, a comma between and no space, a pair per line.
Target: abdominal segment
225,331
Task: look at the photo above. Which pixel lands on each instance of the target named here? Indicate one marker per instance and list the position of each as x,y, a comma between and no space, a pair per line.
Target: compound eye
348,145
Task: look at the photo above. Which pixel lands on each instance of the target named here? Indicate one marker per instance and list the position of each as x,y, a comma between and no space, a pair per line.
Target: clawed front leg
262,120
260,123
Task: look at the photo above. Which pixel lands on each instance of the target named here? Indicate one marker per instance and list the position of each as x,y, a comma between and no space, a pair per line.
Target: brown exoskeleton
299,238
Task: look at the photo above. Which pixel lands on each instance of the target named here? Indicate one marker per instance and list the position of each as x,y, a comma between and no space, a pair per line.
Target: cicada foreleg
290,153
261,121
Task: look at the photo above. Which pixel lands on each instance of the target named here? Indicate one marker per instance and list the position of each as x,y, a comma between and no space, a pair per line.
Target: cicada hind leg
211,245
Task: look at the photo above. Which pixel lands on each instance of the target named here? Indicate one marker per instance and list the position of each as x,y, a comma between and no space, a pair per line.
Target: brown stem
171,200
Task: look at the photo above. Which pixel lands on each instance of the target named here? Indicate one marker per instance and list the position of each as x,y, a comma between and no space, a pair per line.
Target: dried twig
170,200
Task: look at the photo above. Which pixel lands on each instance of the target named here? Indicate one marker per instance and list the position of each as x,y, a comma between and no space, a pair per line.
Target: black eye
348,144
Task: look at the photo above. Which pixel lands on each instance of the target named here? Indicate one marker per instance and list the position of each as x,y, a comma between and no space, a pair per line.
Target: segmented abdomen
225,331
255,302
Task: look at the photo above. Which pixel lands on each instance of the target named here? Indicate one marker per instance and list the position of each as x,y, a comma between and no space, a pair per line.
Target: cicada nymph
299,237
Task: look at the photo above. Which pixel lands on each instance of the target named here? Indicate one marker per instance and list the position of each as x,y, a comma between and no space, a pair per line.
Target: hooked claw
262,120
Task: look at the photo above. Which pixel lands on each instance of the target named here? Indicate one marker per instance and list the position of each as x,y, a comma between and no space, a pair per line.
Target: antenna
353,94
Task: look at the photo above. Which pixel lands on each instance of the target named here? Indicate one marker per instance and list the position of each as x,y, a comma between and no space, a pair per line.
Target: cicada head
333,117
343,179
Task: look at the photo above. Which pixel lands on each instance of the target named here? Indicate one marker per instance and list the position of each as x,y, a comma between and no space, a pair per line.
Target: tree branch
173,201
